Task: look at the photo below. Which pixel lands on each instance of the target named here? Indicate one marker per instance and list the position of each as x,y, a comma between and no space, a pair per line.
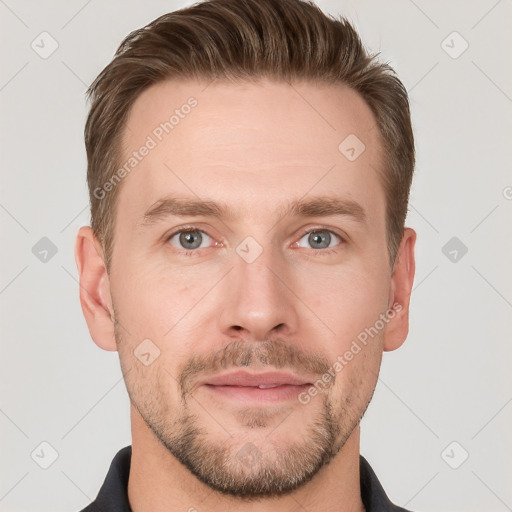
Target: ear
95,295
400,292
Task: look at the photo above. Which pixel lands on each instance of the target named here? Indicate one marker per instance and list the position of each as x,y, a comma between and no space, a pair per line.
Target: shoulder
113,494
373,495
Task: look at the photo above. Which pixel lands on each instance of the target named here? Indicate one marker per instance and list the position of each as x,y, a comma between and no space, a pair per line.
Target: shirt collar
113,495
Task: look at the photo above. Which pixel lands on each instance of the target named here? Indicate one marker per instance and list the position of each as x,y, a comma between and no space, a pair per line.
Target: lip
244,386
243,378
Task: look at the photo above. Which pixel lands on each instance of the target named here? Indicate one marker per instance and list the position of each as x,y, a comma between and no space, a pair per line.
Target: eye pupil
187,239
317,237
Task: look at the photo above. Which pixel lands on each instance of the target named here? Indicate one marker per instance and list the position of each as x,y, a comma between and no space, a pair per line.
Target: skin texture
297,307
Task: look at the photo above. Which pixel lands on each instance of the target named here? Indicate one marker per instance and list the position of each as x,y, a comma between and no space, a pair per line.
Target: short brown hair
285,40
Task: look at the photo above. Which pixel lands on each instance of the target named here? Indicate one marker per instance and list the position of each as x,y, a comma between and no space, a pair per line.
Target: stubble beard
249,470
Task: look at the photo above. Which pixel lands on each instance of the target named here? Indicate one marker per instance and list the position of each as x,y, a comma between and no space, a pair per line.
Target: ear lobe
94,289
400,293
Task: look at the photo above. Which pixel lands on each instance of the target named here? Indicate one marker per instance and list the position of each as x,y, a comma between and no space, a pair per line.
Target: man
249,167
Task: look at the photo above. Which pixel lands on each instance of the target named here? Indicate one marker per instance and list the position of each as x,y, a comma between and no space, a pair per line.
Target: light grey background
451,381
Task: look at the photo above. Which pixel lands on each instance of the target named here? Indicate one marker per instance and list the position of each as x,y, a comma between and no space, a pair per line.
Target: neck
158,482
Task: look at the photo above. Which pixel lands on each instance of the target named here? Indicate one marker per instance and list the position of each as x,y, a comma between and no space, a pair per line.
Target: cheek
356,382
160,316
151,302
348,300
150,373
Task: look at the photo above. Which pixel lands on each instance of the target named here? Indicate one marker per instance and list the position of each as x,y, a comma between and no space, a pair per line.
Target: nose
258,299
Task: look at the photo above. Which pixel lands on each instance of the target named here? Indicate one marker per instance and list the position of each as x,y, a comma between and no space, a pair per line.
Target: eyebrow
320,206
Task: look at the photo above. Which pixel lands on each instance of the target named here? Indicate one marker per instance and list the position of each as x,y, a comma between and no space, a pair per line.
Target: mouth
263,387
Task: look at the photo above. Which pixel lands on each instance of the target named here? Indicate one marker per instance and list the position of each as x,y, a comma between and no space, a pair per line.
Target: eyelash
316,252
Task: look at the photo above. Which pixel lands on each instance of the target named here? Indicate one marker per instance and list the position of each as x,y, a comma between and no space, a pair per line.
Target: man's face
259,289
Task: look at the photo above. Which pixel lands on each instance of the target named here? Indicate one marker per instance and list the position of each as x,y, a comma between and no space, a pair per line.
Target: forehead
253,145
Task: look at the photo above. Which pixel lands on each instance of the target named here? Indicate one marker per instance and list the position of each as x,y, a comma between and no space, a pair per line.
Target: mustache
274,353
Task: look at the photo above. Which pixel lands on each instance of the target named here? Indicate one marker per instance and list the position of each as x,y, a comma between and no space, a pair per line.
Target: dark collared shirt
113,495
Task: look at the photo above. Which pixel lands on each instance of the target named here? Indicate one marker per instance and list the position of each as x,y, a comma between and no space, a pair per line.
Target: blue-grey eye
190,240
320,239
